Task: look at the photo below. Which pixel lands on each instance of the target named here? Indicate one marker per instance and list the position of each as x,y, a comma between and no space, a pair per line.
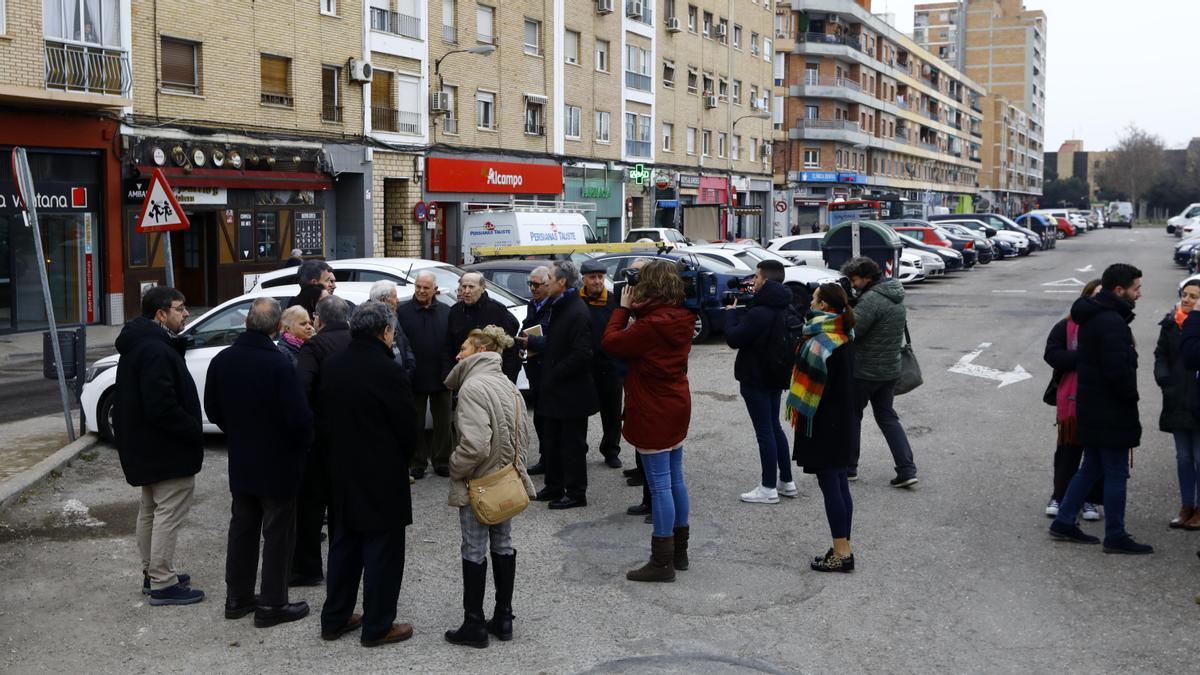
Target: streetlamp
760,115
482,50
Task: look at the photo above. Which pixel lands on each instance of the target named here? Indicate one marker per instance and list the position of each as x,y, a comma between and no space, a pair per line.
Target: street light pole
482,50
761,115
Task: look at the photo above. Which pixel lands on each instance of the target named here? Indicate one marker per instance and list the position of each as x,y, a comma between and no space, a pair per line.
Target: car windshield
717,266
764,254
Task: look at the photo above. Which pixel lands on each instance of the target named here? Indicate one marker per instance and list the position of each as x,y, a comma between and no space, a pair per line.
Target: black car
1036,239
985,250
512,275
952,259
964,245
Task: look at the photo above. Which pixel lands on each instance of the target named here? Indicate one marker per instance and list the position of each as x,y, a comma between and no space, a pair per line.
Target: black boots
681,544
504,573
473,632
661,566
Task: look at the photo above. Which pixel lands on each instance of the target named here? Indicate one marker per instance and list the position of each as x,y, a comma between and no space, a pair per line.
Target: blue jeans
1187,461
1111,464
668,494
773,450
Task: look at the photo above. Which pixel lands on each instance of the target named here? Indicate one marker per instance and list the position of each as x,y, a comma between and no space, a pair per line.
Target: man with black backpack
766,335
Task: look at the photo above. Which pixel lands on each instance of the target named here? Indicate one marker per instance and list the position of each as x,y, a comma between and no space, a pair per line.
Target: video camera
741,291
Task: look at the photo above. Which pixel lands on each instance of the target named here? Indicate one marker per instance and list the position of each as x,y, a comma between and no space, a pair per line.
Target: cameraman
749,331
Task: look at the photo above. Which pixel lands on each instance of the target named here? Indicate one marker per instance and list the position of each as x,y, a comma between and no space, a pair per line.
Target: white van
517,224
1175,224
1120,213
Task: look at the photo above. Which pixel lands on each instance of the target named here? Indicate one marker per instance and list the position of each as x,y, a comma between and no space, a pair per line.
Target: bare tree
1134,165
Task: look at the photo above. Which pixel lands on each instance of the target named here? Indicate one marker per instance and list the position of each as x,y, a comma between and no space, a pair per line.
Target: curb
13,487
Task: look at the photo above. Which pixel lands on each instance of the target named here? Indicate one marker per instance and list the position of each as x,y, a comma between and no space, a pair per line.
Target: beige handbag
500,495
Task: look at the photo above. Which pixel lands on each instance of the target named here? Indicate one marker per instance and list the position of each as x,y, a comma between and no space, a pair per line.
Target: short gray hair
568,270
333,309
293,315
425,274
297,253
370,319
264,316
540,272
380,290
475,276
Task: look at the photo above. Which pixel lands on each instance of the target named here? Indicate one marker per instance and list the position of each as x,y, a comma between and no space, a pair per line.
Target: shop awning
747,210
249,180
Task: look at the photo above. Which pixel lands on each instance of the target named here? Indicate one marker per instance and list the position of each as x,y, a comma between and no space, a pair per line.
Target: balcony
331,113
450,125
395,23
638,81
640,11
450,34
637,148
88,69
830,39
395,121
840,125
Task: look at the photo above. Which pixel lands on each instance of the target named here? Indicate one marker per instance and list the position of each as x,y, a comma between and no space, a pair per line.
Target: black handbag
1050,396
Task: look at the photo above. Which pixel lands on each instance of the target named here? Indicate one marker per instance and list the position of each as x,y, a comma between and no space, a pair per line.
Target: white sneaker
1052,508
761,495
1090,512
787,489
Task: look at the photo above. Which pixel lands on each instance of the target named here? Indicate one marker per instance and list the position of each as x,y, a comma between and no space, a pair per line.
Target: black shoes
443,471
612,462
265,617
536,470
833,562
638,510
1071,533
636,479
306,580
630,473
566,502
1127,546
417,474
236,610
184,580
902,482
547,495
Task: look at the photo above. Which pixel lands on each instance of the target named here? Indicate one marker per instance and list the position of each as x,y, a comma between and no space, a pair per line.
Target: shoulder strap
907,338
518,422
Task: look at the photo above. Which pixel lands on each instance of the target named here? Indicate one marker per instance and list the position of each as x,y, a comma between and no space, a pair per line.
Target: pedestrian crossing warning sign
160,211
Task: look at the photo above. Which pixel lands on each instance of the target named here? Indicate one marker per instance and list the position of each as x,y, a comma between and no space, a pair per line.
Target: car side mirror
990,231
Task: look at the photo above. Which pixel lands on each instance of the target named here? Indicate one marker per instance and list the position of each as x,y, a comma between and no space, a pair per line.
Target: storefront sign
135,193
662,180
686,181
50,197
639,174
851,178
309,227
668,203
596,192
469,175
818,177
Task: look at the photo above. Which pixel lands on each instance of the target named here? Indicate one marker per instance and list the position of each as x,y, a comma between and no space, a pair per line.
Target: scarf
1180,316
291,339
598,301
822,334
1068,390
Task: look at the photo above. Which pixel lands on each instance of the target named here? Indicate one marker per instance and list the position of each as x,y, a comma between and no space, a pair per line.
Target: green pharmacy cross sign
639,174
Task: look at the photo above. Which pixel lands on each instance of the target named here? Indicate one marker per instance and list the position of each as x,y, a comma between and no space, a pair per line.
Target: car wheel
702,327
104,417
1059,234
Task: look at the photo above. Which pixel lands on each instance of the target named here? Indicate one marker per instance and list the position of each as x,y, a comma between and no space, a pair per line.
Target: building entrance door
194,254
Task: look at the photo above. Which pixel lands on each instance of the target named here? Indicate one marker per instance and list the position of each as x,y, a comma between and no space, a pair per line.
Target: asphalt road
957,574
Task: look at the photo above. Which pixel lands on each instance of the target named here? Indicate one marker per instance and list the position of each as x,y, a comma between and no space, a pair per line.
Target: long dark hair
834,295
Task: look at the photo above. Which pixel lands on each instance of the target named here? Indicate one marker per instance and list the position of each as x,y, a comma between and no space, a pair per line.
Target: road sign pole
169,262
29,198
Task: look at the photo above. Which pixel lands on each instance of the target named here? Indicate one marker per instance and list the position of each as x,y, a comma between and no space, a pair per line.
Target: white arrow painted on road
965,366
1069,281
1084,269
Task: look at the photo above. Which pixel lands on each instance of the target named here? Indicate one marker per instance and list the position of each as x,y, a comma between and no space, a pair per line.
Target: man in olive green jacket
878,337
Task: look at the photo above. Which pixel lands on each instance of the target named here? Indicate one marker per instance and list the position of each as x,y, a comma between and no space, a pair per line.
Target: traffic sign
160,211
781,207
433,210
420,212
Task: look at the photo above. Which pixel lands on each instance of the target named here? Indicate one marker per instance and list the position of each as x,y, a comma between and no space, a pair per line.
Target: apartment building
1002,46
65,73
869,112
937,27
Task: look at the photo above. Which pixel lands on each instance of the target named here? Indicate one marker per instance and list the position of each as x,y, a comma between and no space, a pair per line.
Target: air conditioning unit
754,104
439,102
360,70
673,25
710,101
764,151
634,9
722,30
604,6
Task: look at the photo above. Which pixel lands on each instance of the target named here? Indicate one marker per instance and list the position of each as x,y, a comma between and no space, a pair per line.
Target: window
669,9
95,22
602,55
329,7
572,122
735,150
668,136
449,14
753,149
637,135
812,74
753,96
737,36
485,21
275,74
721,140
691,140
708,85
331,95
535,115
693,77
180,66
692,14
533,37
450,121
708,22
723,26
485,110
603,119
723,89
705,142
812,112
571,47
668,74
408,114
754,43
637,68
737,91
766,48
812,158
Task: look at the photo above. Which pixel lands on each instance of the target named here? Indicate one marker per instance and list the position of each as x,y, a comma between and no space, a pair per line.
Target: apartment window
533,37
275,79
812,158
327,7
331,94
450,121
535,115
637,135
737,36
693,78
408,113
737,92
723,26
571,47
668,136
735,150
485,110
95,22
705,142
603,120
180,65
691,140
637,68
754,43
692,14
753,96
602,55
766,50
572,122
708,21
812,112
708,85
383,112
668,78
753,149
449,23
669,9
485,22
721,144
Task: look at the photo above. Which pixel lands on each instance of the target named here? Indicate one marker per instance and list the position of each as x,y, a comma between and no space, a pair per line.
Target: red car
926,234
1065,228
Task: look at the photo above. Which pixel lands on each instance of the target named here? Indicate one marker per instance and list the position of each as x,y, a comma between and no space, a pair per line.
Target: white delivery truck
525,223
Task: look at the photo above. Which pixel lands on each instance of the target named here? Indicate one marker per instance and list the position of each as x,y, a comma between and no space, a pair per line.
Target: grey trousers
163,508
475,536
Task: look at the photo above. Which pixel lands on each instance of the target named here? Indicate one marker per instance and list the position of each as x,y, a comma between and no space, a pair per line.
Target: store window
266,235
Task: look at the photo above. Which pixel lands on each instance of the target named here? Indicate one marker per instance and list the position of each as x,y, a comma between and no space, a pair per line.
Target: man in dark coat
333,335
365,410
1107,408
424,320
568,395
159,437
749,331
316,280
607,372
476,309
536,314
253,394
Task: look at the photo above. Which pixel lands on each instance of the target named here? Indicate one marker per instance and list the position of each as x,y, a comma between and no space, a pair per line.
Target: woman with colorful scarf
297,328
1062,354
1178,386
821,408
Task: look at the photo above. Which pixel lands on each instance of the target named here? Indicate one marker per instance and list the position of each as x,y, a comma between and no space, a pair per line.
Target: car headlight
93,371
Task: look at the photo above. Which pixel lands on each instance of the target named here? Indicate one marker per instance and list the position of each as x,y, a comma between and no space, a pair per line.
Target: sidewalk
22,352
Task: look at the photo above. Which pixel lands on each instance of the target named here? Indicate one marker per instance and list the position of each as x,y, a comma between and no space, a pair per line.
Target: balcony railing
902,104
275,99
450,125
88,69
396,121
395,23
647,13
843,125
932,147
450,33
829,38
535,129
638,81
637,148
331,113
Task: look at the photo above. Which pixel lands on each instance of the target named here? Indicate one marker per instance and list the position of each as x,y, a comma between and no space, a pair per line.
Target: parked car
984,250
1000,223
746,257
801,248
1185,249
1045,227
1120,213
1175,223
937,259
911,268
513,275
964,245
668,234
1019,242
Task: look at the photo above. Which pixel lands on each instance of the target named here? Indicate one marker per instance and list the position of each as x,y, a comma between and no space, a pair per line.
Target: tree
1071,193
1133,166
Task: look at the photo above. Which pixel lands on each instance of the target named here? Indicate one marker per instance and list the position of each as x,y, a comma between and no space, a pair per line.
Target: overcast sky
1107,66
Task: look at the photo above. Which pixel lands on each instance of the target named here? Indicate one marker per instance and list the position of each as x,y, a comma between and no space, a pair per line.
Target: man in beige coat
493,432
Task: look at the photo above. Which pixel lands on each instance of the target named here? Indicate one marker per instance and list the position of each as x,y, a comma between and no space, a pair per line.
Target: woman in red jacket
658,403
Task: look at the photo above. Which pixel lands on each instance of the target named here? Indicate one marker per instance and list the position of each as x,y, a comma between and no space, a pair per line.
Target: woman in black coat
822,409
1178,385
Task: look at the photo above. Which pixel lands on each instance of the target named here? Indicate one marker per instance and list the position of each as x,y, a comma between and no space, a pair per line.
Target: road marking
1069,281
1070,291
998,291
1085,269
966,367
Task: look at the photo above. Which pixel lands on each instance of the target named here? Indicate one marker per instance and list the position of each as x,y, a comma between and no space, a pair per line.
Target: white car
1020,241
911,268
656,234
931,263
745,257
800,248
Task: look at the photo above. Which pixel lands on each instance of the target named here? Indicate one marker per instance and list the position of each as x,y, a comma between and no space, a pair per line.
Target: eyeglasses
182,309
535,284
